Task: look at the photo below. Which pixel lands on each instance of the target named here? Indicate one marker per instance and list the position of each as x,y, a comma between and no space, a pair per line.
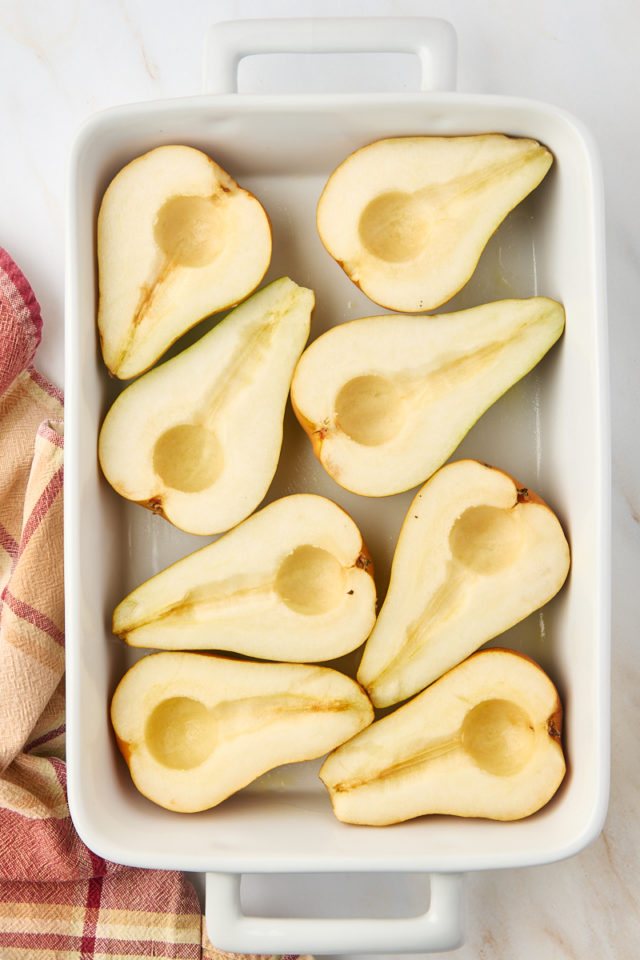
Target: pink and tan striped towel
57,898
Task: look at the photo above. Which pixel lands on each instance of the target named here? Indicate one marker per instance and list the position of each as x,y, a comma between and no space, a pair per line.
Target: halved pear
292,582
178,240
408,217
386,400
483,741
477,553
198,438
195,728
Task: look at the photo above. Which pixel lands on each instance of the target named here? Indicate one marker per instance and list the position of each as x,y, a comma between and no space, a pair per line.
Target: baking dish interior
550,431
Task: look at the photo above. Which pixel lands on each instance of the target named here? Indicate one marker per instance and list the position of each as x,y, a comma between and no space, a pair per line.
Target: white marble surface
62,61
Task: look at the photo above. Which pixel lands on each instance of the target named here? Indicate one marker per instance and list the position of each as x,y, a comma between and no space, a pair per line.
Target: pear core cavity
392,227
310,580
499,736
486,539
369,409
188,457
189,230
180,733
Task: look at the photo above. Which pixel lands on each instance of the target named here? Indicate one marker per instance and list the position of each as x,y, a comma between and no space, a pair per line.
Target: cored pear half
292,582
386,400
482,741
477,553
407,218
177,240
195,728
198,438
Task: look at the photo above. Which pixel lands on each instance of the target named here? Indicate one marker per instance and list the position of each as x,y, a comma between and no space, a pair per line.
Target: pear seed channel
188,458
483,541
486,539
190,230
181,732
310,580
372,409
496,734
393,226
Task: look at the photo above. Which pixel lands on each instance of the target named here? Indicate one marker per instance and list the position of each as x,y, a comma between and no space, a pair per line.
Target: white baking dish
550,431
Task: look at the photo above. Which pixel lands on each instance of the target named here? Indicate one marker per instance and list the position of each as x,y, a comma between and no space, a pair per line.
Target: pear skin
477,553
407,218
195,728
293,582
386,400
198,438
178,240
482,741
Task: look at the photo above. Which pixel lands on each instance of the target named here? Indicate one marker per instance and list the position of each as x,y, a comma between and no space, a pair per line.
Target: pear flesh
197,439
476,554
195,728
482,741
407,218
177,240
293,582
386,400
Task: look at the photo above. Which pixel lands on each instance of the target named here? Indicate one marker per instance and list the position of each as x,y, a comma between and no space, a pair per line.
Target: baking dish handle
440,928
432,40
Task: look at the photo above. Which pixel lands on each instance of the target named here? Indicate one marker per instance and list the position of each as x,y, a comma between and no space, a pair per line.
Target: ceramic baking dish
550,431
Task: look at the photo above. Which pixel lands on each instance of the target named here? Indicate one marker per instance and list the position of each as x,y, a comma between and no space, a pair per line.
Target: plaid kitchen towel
57,898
